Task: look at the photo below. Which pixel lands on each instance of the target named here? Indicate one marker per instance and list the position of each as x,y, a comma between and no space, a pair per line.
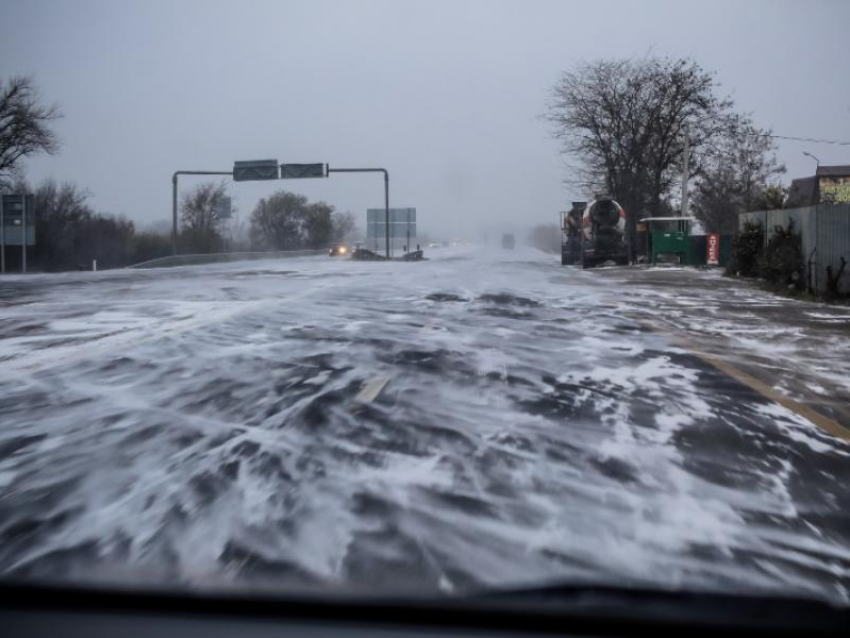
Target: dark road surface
482,419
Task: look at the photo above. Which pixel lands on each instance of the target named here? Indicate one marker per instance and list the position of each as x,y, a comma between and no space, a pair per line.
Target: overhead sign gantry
262,170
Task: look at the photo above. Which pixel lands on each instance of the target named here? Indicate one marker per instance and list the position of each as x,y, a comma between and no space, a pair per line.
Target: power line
810,140
799,139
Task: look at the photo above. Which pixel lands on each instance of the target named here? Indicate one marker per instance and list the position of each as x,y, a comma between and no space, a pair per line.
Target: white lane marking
371,390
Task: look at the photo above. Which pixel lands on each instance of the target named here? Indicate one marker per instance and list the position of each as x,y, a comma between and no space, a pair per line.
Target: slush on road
485,418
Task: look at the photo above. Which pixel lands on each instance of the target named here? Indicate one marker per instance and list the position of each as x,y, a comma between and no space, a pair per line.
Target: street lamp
817,161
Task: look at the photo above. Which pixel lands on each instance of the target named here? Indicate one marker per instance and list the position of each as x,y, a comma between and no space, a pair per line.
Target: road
486,418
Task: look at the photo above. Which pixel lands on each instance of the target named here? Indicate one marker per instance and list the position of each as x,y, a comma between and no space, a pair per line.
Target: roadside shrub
833,279
782,262
747,249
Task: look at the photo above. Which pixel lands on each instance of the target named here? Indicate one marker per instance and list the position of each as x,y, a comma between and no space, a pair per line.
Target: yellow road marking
823,422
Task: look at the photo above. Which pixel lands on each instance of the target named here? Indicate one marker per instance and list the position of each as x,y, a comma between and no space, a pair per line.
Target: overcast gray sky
446,95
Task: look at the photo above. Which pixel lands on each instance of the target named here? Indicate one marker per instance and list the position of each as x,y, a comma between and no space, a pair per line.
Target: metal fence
825,233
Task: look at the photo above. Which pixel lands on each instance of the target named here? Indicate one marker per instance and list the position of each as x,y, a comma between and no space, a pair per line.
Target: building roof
833,171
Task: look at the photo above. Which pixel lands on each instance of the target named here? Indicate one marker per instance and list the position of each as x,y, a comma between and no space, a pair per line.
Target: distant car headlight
343,250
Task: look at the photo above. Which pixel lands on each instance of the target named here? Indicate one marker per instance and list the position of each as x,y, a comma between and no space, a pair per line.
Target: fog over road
208,426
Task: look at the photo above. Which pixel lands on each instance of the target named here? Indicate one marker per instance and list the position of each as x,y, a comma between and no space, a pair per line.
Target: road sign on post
255,170
17,212
300,171
386,193
17,226
401,230
223,208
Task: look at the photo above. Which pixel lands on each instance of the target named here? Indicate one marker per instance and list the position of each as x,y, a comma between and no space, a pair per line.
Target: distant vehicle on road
571,235
338,250
508,241
603,225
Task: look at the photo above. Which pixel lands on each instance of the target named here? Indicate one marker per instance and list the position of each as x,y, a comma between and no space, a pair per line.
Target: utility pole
2,238
24,230
685,170
174,214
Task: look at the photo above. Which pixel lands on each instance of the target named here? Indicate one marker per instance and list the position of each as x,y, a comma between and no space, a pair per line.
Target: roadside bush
747,249
782,263
288,221
833,279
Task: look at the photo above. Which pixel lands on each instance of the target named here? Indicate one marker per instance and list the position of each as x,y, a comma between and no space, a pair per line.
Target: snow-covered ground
800,348
203,426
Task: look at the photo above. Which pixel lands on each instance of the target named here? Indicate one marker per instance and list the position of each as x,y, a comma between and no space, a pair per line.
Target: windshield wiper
686,607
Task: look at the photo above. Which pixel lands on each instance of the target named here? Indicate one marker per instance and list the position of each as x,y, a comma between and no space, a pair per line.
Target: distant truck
571,235
508,241
603,225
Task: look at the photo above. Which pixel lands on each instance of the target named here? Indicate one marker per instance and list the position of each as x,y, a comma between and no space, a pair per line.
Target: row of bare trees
288,221
622,127
281,221
71,234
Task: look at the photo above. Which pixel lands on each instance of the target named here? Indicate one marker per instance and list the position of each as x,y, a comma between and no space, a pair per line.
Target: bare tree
288,221
738,174
235,232
61,213
772,197
276,221
24,123
201,230
318,225
344,226
71,234
623,120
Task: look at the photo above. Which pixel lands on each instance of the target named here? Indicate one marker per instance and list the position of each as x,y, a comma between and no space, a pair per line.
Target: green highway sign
15,210
300,171
255,170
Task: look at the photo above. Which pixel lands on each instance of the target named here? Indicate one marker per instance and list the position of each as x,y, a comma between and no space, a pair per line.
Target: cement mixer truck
603,225
571,234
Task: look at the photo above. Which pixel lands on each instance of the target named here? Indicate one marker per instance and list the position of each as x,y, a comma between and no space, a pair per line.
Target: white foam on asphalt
203,427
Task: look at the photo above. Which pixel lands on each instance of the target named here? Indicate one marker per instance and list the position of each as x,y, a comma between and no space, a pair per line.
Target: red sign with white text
712,249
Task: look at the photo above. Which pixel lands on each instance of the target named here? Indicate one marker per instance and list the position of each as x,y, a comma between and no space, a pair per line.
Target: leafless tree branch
24,123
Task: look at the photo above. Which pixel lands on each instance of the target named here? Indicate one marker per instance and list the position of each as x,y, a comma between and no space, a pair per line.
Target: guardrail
213,258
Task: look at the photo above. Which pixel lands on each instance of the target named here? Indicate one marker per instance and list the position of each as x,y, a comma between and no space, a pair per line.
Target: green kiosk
669,236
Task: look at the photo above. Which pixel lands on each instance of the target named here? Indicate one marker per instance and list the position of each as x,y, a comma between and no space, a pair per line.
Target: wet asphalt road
207,426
